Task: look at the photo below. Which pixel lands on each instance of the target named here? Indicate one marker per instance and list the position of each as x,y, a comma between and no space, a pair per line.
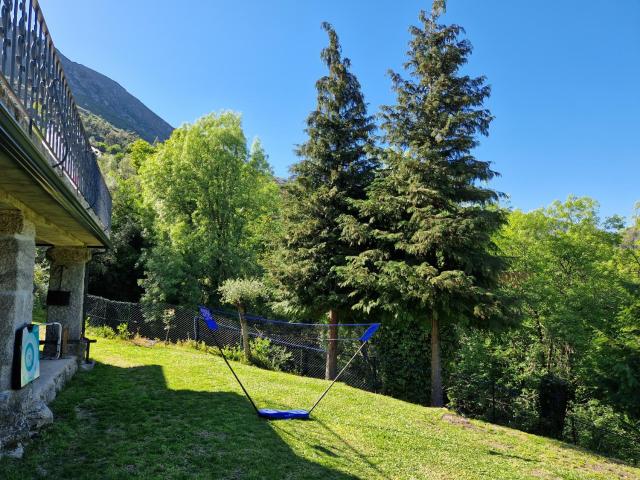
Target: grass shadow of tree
127,423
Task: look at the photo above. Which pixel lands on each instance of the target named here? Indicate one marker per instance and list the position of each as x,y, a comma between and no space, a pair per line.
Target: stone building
51,194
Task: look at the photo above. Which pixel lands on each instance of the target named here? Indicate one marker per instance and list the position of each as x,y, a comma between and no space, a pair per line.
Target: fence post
196,328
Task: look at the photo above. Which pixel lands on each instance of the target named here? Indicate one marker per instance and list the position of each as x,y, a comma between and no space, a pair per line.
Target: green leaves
210,202
242,291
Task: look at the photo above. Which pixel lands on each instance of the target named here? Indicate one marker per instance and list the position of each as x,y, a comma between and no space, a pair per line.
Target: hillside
101,131
107,99
172,412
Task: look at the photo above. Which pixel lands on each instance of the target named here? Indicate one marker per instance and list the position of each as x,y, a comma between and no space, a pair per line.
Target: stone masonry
66,273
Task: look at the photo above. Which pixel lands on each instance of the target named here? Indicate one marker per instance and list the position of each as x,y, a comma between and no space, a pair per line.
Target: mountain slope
154,411
99,130
107,99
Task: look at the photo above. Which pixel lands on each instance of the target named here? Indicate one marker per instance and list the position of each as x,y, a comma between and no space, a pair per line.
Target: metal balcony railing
33,73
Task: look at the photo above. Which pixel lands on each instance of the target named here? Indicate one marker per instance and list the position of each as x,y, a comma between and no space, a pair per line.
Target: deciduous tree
205,196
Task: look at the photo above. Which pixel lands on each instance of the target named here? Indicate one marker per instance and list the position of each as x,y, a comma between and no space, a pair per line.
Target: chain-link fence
279,345
591,425
302,349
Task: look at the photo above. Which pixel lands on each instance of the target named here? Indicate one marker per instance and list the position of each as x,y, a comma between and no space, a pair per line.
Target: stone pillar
17,259
66,273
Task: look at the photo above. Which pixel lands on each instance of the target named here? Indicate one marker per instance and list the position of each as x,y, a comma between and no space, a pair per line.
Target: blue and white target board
26,359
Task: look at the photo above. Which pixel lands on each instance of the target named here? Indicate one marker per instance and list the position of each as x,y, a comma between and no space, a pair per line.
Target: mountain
102,132
107,99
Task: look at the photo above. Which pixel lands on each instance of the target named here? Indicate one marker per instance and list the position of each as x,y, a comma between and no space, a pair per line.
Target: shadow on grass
319,435
126,423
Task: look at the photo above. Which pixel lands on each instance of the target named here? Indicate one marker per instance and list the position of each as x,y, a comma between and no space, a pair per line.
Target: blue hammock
294,414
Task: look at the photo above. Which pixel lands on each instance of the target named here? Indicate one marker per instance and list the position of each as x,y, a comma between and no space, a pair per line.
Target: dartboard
27,356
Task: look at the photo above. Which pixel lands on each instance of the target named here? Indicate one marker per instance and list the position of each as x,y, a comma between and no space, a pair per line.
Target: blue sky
565,75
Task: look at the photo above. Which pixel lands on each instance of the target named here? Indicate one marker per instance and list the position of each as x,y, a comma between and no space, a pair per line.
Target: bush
402,345
103,331
600,428
265,354
123,332
234,352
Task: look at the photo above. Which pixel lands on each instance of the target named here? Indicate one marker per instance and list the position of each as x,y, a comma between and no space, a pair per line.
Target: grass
171,412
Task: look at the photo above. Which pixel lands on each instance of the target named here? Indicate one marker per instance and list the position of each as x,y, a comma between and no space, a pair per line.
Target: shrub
103,331
123,332
597,426
234,352
265,354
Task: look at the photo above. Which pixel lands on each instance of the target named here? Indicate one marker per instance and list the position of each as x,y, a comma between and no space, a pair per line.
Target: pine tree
429,215
333,171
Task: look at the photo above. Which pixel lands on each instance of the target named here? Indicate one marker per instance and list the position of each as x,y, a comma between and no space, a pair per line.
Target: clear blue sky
565,75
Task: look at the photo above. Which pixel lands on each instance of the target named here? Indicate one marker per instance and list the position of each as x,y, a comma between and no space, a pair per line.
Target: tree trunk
437,397
244,330
332,348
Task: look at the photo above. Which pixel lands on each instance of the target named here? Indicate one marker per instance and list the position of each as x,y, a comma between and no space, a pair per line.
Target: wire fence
597,431
279,345
302,349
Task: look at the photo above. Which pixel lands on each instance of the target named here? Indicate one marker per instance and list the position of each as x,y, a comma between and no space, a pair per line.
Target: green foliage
425,230
115,274
202,196
403,352
579,310
612,366
242,291
40,285
565,274
600,428
334,169
234,353
102,331
491,377
103,134
122,332
264,354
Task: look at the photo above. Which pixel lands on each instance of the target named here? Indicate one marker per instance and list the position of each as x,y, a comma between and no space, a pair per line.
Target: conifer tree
333,170
429,216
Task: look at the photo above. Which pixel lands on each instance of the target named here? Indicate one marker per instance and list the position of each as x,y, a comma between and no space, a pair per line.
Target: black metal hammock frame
295,414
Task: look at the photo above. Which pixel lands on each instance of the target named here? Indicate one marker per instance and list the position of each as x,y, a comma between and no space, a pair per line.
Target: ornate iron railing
33,72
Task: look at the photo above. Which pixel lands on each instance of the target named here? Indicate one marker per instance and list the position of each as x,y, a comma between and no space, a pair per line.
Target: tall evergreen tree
334,170
426,238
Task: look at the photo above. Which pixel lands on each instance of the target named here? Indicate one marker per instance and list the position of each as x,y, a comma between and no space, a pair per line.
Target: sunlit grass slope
170,412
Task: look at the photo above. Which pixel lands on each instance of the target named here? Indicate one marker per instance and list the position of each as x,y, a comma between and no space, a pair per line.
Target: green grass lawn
170,412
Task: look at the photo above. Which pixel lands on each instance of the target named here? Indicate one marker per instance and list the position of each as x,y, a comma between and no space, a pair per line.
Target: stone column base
67,274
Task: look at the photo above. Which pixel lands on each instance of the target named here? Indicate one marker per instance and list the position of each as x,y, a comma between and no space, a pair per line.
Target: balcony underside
30,183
